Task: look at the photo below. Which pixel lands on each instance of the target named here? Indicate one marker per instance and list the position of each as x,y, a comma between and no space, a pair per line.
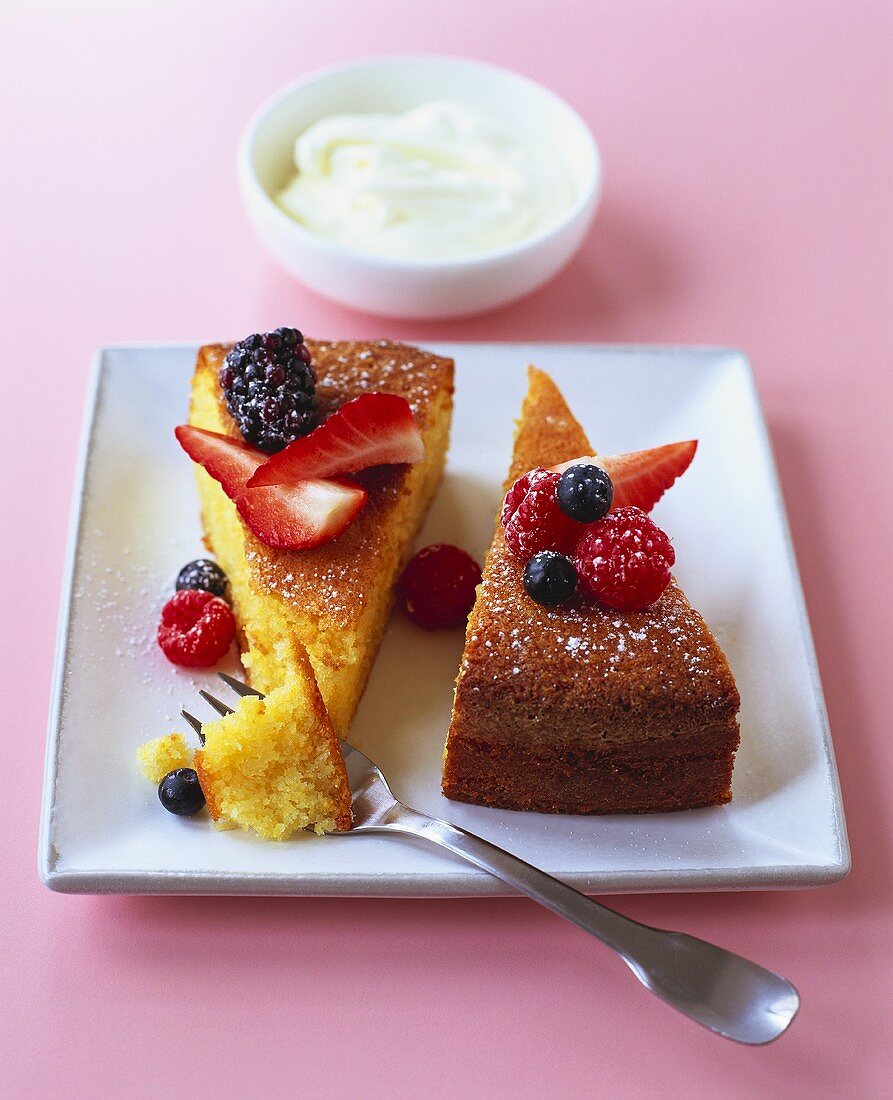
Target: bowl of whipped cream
419,187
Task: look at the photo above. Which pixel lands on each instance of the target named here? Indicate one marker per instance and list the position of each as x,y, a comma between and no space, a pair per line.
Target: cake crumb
164,754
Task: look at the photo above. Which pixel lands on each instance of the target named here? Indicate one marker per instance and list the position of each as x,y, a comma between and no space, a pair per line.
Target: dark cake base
650,778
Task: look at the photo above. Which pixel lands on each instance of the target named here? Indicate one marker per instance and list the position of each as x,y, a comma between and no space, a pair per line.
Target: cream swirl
442,181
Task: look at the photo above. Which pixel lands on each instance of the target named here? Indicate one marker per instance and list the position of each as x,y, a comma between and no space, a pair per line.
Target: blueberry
585,493
549,578
205,576
180,792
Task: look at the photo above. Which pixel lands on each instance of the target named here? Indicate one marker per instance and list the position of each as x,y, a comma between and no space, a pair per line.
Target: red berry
438,586
624,560
196,629
643,477
373,429
538,522
292,516
518,492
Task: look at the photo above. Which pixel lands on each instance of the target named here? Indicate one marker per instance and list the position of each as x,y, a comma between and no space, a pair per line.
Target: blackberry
585,492
180,792
269,384
203,575
549,578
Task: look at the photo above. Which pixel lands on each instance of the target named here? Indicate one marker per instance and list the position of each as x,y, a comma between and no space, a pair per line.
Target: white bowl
414,288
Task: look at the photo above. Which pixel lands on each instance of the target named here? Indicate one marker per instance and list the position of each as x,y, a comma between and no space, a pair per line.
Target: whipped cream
442,181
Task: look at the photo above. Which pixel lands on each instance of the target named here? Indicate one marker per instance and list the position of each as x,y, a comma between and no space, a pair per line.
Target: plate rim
464,882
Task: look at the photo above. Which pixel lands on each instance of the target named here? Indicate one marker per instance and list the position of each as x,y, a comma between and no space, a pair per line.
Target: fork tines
241,689
238,686
194,722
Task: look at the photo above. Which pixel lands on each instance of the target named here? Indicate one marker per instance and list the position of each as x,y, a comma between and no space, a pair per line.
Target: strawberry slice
304,514
286,517
642,477
229,461
373,429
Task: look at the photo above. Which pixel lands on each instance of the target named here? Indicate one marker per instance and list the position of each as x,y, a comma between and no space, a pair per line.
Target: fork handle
717,988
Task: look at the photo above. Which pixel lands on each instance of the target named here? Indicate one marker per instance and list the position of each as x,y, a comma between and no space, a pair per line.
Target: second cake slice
580,708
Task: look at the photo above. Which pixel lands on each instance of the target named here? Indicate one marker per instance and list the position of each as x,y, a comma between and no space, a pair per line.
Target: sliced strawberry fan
307,513
229,461
298,498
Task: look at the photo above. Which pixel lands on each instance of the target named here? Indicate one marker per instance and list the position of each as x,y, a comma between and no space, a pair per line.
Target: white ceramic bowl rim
587,194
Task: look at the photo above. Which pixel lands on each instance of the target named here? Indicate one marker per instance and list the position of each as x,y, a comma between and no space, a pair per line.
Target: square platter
135,523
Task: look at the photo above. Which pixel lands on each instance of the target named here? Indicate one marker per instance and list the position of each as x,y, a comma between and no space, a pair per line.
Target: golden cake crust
540,685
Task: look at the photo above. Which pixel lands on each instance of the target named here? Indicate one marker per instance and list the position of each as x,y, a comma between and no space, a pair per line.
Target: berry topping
624,560
585,492
438,586
196,629
549,578
518,492
538,522
288,517
203,575
180,792
642,477
372,430
269,385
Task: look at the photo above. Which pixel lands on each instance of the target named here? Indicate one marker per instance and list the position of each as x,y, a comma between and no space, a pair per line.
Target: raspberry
438,586
518,492
538,522
624,560
196,629
269,385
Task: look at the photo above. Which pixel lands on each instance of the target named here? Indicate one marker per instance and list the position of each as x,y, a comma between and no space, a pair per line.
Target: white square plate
136,523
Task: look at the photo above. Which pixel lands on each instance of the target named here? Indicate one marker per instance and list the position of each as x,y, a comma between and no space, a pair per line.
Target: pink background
748,190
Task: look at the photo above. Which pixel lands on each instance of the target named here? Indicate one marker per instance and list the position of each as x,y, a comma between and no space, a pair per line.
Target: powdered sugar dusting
387,367
666,647
122,605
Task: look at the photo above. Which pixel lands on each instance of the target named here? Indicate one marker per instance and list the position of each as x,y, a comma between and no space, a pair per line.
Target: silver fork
722,991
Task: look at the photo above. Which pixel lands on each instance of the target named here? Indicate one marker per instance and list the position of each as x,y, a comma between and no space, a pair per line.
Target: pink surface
748,183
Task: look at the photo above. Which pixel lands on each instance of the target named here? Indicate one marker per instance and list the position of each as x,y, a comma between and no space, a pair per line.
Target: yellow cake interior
163,755
275,765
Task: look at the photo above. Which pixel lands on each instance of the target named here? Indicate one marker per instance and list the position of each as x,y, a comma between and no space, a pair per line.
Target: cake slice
581,709
332,600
